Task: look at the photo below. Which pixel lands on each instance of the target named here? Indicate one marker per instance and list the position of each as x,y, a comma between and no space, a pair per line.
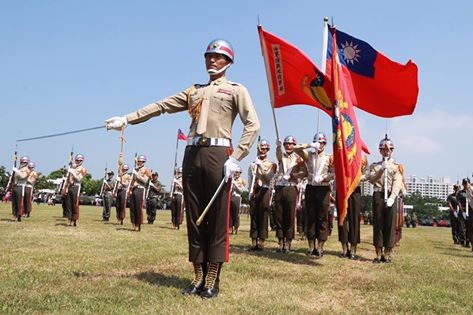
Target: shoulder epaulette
234,83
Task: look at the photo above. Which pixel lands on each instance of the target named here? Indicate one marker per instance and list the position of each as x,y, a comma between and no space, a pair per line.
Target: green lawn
47,267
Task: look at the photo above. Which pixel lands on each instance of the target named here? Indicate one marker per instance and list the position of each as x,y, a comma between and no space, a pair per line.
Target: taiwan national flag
377,84
181,135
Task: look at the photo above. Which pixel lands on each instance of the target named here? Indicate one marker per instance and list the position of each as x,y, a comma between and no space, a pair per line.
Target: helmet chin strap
214,72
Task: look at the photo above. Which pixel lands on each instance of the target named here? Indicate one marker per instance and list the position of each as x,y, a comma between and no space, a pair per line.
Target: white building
426,186
429,187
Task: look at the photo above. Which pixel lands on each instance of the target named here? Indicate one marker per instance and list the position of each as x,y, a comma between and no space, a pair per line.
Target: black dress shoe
353,257
383,259
376,260
192,289
209,293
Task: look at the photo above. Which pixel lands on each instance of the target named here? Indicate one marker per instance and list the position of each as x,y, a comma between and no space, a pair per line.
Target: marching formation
300,186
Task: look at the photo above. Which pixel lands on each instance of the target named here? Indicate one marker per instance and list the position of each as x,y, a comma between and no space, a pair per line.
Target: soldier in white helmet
30,181
285,200
75,175
386,178
19,185
260,175
177,200
319,166
120,193
140,177
238,185
209,158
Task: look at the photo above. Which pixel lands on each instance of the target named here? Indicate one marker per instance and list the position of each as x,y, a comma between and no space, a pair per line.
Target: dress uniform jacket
213,108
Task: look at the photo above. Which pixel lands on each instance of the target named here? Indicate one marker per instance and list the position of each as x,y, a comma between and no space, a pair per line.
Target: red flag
347,143
292,76
377,84
181,135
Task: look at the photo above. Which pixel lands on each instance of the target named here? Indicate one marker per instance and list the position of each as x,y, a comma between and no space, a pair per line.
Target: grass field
47,267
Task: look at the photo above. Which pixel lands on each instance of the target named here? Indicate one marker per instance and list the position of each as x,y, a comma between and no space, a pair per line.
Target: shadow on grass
162,280
297,256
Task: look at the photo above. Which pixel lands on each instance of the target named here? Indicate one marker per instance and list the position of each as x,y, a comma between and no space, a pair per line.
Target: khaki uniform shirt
288,165
221,101
263,173
321,163
125,180
375,175
32,178
77,175
178,188
239,184
22,175
141,179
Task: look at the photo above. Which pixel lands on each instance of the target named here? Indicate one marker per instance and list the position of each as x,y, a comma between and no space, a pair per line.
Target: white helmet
125,167
290,139
79,157
142,158
263,144
220,46
320,137
386,143
24,159
31,165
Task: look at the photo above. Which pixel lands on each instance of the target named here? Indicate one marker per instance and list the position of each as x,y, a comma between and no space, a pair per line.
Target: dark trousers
151,206
18,200
284,211
176,209
202,174
136,206
235,211
107,205
300,218
384,222
259,212
120,204
72,202
317,204
349,232
28,200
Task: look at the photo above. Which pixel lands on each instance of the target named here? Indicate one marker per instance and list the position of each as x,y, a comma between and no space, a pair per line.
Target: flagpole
268,72
324,45
175,162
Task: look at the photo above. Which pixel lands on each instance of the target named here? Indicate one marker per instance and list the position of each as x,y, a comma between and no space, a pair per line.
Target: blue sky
69,65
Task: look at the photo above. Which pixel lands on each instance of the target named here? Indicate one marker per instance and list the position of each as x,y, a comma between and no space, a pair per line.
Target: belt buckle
204,141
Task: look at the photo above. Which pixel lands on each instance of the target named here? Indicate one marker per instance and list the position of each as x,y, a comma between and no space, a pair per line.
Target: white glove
15,170
258,162
318,179
135,172
315,145
278,142
389,202
230,167
70,170
455,214
116,122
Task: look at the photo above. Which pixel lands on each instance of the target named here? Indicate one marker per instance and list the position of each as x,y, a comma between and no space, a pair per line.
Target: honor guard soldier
140,177
20,178
177,200
349,231
238,185
319,166
72,187
260,175
387,181
209,158
285,200
123,183
300,208
30,181
107,195
152,193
